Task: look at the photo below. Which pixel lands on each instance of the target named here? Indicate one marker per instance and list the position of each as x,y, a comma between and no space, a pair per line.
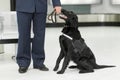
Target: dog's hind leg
58,60
85,67
65,64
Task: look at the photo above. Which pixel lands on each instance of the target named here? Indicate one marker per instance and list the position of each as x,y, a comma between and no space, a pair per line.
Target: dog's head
70,18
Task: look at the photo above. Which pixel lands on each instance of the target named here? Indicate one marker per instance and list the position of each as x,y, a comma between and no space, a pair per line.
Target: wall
4,5
79,9
105,7
75,8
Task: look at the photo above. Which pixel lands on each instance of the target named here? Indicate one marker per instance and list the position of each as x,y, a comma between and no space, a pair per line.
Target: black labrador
73,47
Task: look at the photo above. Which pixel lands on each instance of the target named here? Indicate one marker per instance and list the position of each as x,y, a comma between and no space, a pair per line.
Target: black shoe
23,69
42,68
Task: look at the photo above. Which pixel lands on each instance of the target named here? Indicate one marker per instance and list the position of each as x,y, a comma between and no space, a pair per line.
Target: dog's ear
74,21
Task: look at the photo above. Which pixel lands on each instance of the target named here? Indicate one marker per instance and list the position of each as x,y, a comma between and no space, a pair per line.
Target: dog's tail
103,66
96,67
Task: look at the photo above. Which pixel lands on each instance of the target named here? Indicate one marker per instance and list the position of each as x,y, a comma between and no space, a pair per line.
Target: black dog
73,47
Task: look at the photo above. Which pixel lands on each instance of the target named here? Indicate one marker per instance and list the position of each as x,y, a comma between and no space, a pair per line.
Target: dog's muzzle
62,16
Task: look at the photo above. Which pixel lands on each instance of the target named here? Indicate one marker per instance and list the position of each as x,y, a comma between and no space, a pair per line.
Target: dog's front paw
55,69
60,72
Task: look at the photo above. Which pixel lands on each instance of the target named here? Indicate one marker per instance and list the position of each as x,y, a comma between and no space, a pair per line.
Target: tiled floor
104,42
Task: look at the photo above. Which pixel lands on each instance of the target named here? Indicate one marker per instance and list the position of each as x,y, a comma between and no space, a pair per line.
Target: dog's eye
70,12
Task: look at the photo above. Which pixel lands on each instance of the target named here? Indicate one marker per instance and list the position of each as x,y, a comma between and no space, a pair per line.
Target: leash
52,17
67,36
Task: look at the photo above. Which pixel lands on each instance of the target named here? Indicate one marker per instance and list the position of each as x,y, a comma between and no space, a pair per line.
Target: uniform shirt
34,5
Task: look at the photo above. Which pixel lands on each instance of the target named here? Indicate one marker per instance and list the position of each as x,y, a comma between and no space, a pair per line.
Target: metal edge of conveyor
92,20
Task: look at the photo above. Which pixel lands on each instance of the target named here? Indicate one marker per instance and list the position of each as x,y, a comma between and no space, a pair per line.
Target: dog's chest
79,45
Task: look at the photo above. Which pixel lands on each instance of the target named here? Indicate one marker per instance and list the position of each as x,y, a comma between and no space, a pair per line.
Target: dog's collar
67,36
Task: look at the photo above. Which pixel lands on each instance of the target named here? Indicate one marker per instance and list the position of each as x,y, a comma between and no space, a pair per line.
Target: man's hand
58,9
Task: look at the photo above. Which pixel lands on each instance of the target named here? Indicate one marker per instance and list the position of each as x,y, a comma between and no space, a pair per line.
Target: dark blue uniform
31,11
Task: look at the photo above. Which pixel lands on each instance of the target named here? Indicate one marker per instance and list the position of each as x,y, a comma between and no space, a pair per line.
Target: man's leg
24,27
38,54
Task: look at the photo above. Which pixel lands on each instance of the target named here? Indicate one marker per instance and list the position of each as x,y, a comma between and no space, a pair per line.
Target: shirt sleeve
56,3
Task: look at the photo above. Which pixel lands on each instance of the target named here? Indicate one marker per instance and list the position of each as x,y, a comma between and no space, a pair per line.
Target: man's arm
57,6
56,3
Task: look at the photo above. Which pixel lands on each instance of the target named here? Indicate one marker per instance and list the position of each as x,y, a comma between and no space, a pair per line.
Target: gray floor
104,42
